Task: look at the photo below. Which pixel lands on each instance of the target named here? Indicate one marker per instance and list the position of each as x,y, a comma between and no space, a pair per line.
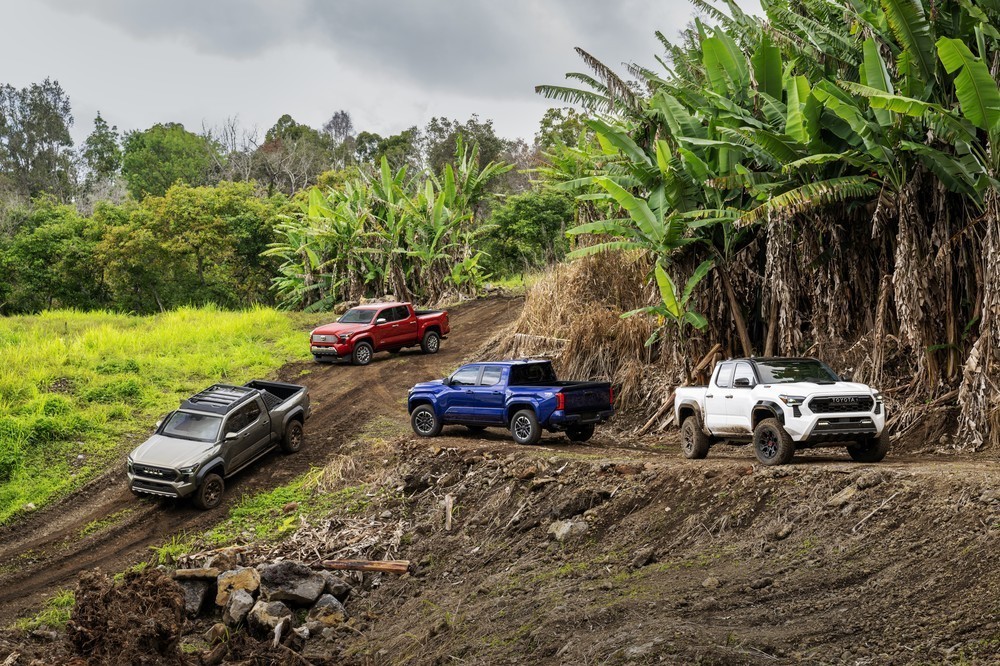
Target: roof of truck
219,399
379,306
518,361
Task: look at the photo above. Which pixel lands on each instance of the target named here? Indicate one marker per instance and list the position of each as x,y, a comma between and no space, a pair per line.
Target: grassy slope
74,385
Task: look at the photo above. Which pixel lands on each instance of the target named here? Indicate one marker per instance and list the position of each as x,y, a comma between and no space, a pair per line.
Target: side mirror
380,320
230,436
742,382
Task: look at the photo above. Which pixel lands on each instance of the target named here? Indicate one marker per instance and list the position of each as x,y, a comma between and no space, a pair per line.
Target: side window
384,314
243,417
744,371
466,376
491,375
253,412
725,379
402,313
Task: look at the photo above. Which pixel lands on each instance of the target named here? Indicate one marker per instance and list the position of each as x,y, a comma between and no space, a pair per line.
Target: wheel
209,493
425,422
580,433
872,450
694,442
524,427
363,352
476,429
431,342
772,444
294,437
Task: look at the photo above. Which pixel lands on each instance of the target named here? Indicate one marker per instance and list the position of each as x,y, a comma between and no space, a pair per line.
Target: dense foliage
827,172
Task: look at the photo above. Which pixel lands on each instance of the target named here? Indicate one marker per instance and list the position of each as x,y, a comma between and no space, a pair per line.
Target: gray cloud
481,47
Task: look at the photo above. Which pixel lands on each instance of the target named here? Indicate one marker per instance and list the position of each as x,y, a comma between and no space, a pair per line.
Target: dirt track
46,552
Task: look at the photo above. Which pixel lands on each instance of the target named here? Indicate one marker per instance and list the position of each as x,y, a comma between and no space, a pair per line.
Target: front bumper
161,487
820,428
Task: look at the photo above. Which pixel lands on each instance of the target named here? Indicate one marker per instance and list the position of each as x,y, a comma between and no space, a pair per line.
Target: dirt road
48,550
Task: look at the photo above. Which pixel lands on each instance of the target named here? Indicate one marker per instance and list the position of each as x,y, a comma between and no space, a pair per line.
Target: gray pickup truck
214,435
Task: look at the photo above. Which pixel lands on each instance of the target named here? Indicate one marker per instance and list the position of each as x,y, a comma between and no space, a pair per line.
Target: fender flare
521,403
215,463
695,407
421,399
770,406
299,412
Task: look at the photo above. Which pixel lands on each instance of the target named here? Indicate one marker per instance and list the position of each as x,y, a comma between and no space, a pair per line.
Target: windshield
357,316
787,372
199,427
532,374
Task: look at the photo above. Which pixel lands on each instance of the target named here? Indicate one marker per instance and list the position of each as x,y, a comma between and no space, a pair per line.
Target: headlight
129,464
877,395
188,471
792,400
344,337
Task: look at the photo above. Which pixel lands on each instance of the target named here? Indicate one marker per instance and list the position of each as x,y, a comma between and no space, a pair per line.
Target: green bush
127,390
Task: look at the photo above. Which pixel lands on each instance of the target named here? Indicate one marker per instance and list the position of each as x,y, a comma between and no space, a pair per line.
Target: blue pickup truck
523,396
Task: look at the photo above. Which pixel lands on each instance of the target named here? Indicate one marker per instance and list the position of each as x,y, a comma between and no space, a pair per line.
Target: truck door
460,401
408,325
382,331
717,398
741,404
488,396
237,444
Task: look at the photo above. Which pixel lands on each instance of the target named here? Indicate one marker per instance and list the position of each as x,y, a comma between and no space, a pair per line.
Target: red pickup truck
367,329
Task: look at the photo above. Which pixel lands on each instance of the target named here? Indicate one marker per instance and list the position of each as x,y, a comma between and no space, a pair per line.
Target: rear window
199,427
491,375
532,374
725,378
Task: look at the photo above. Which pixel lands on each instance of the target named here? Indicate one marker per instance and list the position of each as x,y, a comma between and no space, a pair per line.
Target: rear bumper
560,420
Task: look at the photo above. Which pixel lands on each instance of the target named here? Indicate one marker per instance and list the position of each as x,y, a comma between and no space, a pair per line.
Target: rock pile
267,599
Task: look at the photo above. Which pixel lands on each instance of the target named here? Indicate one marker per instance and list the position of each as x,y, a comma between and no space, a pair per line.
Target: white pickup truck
781,404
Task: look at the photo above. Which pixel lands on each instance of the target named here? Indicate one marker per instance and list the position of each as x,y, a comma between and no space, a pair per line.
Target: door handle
729,396
709,395
497,393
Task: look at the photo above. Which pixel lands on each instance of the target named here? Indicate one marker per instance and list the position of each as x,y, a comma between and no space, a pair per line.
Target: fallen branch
877,509
667,405
449,502
384,566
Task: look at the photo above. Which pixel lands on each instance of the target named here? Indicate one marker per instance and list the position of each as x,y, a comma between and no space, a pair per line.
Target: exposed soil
662,560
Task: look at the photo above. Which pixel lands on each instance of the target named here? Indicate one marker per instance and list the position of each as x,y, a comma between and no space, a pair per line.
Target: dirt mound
138,620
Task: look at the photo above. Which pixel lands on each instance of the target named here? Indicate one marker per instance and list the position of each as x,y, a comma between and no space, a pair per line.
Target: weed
54,615
96,526
170,552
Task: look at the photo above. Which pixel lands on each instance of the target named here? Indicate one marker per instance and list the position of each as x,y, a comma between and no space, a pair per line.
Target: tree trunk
735,310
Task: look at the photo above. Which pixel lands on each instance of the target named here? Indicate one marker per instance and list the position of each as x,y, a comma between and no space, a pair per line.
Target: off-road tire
425,422
475,429
363,352
294,437
772,444
524,427
431,343
872,450
209,493
580,433
694,442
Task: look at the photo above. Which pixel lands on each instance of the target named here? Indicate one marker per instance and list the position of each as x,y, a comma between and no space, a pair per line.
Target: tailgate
587,398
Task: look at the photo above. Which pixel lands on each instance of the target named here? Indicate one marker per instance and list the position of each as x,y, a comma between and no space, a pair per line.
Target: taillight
560,401
611,391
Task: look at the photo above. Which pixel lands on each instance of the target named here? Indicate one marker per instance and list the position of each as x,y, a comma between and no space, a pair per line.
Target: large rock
327,612
242,578
206,573
196,591
266,615
562,530
237,607
292,582
336,586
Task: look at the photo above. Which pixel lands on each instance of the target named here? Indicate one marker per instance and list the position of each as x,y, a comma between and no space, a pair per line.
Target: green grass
75,386
95,526
54,615
261,517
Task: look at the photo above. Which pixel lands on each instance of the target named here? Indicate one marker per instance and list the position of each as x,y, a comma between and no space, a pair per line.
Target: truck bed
275,394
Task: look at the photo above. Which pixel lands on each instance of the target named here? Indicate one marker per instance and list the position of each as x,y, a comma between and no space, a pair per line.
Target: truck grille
158,473
841,403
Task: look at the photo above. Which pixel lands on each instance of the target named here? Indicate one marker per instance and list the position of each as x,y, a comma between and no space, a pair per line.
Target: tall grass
77,389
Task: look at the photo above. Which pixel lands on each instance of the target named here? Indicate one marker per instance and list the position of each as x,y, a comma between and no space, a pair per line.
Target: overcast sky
390,63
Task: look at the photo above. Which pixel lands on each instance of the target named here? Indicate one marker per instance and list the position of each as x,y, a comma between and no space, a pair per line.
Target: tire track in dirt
46,551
